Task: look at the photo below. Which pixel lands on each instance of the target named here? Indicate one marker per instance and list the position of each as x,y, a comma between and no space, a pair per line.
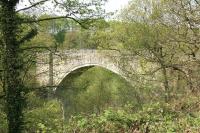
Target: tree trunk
13,66
166,83
51,82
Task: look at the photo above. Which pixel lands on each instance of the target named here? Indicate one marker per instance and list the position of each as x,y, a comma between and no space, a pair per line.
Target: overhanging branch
35,4
80,22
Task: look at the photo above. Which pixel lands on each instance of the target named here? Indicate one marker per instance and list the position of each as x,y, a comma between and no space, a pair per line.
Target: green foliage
153,117
93,90
43,116
3,119
60,37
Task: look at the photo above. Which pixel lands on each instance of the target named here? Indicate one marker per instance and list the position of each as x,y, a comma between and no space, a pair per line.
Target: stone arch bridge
53,68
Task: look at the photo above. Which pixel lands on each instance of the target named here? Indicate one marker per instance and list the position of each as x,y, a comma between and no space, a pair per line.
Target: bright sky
113,5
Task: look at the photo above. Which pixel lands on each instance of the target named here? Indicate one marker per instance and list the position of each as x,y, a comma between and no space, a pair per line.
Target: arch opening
83,86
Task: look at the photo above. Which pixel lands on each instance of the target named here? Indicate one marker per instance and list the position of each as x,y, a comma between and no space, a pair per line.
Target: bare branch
197,1
80,22
35,4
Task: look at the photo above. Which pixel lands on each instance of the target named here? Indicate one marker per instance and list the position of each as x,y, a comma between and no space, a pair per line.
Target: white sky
113,5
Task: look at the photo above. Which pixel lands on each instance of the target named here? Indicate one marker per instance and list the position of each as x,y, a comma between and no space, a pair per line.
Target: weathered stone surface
67,61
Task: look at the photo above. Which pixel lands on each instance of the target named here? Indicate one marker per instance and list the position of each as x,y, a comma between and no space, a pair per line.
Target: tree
183,17
165,33
14,37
